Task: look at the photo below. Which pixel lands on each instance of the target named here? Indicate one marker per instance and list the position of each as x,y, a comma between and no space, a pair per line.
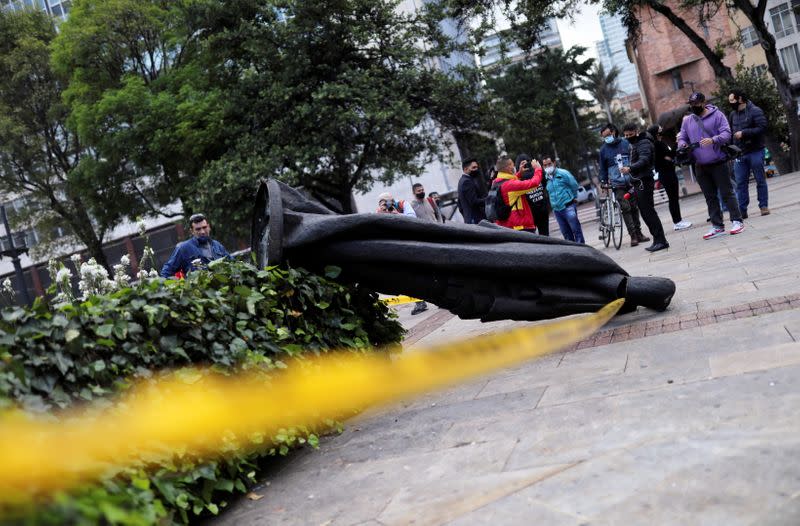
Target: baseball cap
696,97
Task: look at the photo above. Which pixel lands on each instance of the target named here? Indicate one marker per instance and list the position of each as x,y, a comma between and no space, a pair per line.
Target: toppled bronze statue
475,271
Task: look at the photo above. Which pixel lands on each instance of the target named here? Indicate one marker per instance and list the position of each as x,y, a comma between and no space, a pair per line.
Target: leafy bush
234,317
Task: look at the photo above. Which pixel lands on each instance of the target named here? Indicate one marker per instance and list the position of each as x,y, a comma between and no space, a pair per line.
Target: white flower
125,261
147,253
142,274
52,269
153,273
8,288
94,279
64,276
142,226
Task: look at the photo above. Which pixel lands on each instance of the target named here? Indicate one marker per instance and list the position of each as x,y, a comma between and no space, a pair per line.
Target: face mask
633,138
203,239
549,170
697,110
420,195
609,139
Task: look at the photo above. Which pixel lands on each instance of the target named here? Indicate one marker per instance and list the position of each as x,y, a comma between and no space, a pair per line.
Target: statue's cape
475,271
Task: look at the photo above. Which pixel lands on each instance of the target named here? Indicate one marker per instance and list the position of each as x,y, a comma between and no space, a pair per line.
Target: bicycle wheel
617,225
605,225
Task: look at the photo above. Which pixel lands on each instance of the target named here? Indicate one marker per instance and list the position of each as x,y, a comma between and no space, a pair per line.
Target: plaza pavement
691,416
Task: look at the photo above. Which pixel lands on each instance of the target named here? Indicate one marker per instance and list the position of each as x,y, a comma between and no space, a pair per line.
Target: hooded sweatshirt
692,131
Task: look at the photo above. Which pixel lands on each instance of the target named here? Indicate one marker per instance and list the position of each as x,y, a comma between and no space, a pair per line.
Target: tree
603,86
533,106
140,93
335,96
41,158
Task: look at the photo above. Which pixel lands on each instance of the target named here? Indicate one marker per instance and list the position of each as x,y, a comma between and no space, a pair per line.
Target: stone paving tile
633,431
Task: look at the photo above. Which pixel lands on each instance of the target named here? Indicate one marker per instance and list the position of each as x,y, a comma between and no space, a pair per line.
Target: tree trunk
784,91
756,16
721,71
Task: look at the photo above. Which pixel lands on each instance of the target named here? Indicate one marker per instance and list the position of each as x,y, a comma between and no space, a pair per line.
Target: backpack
496,207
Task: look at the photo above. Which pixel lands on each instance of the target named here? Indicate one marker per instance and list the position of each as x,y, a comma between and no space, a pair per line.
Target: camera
683,155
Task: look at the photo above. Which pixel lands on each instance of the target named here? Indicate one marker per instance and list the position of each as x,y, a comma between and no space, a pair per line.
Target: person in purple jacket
705,131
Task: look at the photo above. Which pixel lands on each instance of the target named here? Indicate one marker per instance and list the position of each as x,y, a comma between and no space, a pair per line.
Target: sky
584,31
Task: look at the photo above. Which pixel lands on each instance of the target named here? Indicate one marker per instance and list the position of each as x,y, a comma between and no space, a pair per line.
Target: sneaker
737,227
714,232
682,225
765,211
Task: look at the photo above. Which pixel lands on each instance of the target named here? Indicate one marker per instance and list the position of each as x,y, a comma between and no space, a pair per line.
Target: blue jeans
567,220
741,169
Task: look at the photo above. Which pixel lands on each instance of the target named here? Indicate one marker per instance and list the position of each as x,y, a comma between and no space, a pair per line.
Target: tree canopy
41,157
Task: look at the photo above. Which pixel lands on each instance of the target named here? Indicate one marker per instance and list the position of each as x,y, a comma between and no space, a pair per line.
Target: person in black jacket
538,199
641,171
748,126
471,194
665,166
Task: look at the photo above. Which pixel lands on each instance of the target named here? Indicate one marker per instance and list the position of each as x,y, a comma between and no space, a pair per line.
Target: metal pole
15,258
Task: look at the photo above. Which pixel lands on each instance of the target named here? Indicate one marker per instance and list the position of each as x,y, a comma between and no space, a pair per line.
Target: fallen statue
475,271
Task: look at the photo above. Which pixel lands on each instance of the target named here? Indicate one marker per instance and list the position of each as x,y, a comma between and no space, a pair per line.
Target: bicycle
610,218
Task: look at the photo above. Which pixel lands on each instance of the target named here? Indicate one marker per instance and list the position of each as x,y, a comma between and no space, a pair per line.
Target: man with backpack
506,204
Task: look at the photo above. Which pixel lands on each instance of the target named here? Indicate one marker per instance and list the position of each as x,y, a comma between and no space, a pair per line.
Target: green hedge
233,317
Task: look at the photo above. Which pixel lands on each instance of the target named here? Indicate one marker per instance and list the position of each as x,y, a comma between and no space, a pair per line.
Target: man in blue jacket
704,132
195,253
563,191
748,126
614,155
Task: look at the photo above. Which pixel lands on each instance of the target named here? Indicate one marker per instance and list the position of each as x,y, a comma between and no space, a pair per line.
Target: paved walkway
691,416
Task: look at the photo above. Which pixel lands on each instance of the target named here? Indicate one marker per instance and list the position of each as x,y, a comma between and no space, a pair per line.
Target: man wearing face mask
563,191
748,125
705,131
537,198
615,155
641,171
426,209
471,193
195,253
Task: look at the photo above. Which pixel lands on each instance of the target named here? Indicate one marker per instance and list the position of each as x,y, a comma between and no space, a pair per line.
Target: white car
586,194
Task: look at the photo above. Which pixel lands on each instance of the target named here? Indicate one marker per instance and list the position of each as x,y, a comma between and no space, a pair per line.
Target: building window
782,20
790,59
760,70
749,36
677,80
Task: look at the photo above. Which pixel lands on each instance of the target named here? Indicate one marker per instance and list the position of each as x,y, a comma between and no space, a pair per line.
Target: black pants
630,212
541,218
714,178
670,184
644,192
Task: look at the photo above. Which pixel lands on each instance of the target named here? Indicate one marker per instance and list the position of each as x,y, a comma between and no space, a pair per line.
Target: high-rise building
612,53
57,8
500,49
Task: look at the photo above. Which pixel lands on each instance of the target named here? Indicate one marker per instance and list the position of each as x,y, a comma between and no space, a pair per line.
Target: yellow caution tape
202,413
399,300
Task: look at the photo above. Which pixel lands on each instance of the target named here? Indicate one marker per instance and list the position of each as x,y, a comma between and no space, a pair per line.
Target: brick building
670,67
